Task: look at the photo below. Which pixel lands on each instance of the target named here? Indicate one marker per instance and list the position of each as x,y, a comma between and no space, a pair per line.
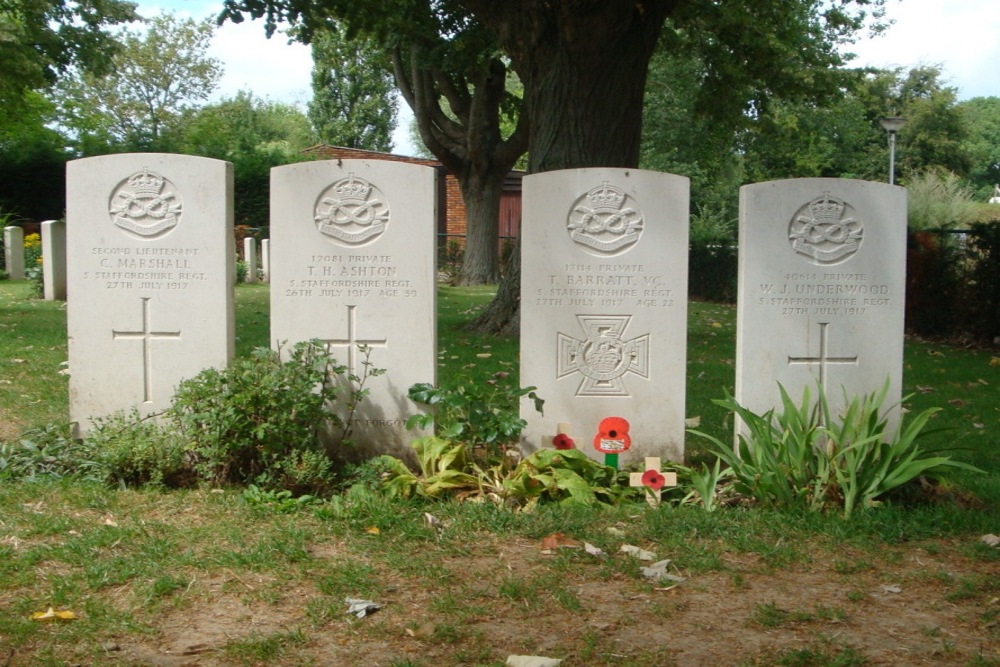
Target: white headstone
265,260
353,262
151,273
250,259
54,260
821,290
604,306
13,248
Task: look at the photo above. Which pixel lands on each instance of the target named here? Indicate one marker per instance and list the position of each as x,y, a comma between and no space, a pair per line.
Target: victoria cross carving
605,219
146,204
352,211
826,230
603,357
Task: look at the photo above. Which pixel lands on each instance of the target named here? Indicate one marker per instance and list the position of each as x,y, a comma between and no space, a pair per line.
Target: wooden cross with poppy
653,480
562,439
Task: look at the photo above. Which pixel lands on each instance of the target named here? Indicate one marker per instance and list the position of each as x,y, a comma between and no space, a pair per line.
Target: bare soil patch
916,606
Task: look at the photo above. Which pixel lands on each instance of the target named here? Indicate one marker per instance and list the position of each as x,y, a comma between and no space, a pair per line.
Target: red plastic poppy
563,441
612,436
653,479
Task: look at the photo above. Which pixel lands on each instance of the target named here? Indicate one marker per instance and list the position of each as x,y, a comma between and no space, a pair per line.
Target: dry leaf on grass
532,661
559,541
361,608
52,615
641,554
423,631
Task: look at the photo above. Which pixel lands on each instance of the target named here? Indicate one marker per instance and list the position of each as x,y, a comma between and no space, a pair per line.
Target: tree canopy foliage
42,39
252,133
155,76
983,118
354,103
583,63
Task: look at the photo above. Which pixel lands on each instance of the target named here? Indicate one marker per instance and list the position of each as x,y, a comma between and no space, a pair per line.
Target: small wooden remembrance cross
562,439
653,480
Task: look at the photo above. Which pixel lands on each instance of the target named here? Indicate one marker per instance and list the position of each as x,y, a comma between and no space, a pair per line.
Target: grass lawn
213,577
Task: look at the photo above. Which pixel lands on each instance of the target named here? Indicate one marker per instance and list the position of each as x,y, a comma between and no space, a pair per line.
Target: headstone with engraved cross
604,305
353,263
150,271
821,291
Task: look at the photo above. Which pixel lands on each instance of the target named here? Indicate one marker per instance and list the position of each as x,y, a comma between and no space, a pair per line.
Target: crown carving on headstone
146,182
606,198
604,358
352,190
826,208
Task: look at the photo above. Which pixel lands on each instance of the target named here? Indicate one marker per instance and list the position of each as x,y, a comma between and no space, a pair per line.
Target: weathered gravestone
151,272
822,268
353,263
13,249
54,260
250,259
604,305
265,260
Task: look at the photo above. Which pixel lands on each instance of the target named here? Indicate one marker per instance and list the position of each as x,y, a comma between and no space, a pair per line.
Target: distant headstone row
604,288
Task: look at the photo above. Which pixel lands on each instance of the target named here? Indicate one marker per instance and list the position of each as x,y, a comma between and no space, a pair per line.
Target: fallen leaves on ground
52,615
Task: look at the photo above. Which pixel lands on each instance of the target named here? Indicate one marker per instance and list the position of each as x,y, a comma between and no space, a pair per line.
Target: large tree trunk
503,314
584,64
469,144
481,193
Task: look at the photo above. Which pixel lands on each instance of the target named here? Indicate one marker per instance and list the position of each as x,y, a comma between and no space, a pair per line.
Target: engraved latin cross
146,335
823,359
352,341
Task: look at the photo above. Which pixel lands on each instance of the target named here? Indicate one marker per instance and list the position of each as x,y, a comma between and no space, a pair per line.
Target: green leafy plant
254,420
481,415
280,502
865,463
443,471
136,452
806,457
566,476
776,458
548,475
49,451
33,264
705,483
257,421
241,271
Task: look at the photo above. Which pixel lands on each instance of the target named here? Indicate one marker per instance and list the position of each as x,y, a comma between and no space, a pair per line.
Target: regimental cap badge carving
605,220
145,204
826,209
352,191
825,230
352,211
146,183
606,199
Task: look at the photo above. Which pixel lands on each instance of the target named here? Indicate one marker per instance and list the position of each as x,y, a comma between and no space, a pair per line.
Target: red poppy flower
563,441
614,428
653,479
612,436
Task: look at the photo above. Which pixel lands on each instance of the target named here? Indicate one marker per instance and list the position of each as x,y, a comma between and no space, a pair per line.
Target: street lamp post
892,125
